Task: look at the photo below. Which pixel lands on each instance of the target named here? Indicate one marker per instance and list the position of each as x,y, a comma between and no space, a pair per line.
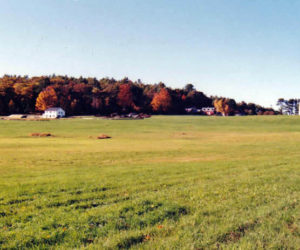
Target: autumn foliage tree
161,101
224,106
46,99
125,97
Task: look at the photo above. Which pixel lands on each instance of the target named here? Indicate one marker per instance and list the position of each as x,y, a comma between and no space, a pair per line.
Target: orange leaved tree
46,99
161,101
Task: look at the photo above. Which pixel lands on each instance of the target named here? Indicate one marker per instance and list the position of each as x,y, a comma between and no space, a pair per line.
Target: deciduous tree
289,107
46,99
161,101
125,97
224,106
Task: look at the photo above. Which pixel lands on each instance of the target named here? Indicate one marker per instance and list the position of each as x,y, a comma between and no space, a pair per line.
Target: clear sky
245,49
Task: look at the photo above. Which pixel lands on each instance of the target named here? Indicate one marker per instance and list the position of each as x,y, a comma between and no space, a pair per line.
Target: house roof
53,109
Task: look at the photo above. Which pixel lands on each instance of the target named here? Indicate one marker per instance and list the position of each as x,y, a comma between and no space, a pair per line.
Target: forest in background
91,96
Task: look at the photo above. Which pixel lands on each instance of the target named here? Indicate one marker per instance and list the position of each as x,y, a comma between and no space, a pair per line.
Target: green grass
167,182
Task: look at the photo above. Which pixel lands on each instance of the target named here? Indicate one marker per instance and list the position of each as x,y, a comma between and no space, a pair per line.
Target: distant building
208,110
54,113
191,110
203,111
17,116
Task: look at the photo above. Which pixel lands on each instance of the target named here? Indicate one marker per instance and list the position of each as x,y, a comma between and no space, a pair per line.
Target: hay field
167,182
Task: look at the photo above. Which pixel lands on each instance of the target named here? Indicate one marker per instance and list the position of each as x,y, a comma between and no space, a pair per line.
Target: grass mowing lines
188,183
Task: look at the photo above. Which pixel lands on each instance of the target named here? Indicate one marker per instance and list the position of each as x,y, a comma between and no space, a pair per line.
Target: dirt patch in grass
100,137
41,135
103,136
236,234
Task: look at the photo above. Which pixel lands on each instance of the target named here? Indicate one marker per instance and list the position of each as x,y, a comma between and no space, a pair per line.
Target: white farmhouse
54,113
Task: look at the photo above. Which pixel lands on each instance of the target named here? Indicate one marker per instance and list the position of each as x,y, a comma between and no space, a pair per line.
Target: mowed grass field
167,182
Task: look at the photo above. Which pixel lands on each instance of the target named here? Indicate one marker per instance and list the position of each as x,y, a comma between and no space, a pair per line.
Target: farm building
54,113
192,110
209,110
16,116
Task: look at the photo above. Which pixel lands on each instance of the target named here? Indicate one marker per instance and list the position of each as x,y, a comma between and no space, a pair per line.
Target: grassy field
167,182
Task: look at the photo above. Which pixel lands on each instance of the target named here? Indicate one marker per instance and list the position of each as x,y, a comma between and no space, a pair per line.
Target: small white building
54,113
209,110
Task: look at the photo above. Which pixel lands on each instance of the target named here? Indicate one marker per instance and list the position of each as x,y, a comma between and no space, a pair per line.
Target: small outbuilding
208,110
192,110
16,117
54,112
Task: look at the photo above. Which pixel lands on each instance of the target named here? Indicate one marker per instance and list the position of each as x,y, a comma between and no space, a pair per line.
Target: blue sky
248,50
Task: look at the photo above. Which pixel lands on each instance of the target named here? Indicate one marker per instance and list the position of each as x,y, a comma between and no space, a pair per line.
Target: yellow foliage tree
46,99
224,106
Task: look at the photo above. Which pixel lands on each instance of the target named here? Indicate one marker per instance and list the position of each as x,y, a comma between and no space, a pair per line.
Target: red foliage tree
125,97
161,101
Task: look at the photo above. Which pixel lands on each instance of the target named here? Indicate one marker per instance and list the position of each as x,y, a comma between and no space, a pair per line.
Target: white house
54,113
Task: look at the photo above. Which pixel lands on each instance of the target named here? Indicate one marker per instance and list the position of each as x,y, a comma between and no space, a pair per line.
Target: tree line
288,106
78,96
